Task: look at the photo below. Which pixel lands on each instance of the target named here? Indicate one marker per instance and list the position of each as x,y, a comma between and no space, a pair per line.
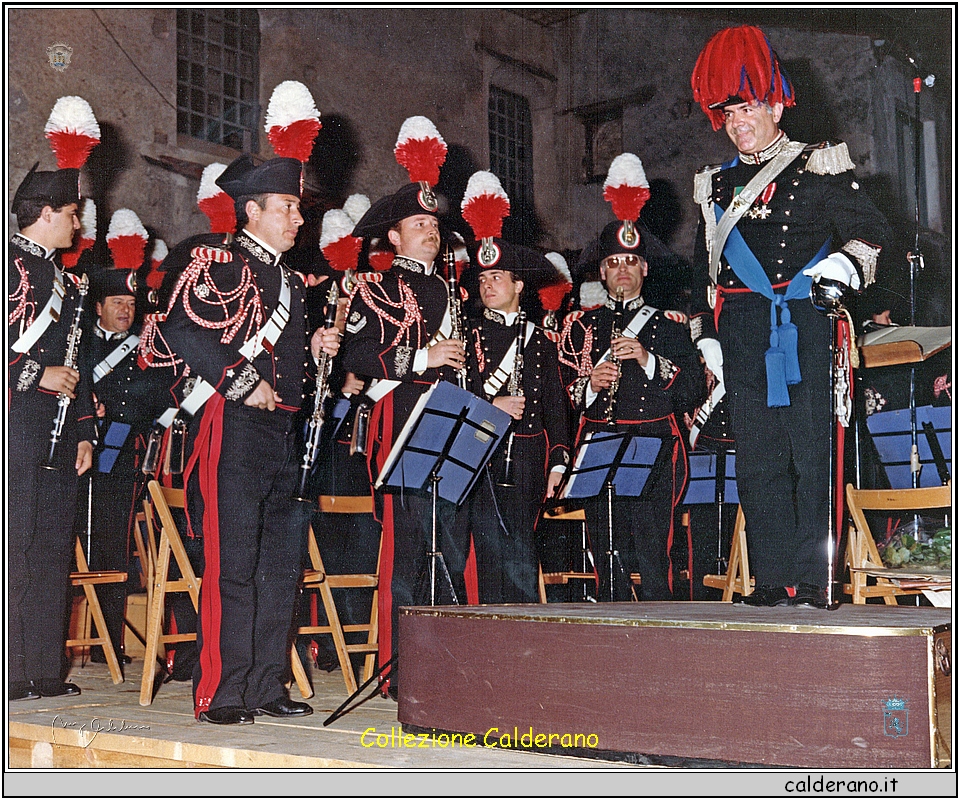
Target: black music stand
711,481
447,440
893,436
614,462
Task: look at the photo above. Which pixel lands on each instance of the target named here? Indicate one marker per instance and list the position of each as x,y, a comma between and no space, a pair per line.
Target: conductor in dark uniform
798,215
658,377
237,319
524,381
41,305
398,332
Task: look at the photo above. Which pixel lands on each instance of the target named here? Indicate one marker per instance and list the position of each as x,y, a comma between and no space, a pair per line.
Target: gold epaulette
703,183
828,158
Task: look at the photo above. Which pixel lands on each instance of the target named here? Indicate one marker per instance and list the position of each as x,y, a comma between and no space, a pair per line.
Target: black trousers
241,494
783,458
641,542
412,540
503,520
40,540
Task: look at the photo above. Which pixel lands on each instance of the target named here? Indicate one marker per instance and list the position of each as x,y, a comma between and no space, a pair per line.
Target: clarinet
515,387
315,423
616,331
456,322
69,360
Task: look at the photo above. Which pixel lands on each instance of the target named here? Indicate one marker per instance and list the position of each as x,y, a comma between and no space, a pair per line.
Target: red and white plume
356,206
626,187
157,255
379,259
485,205
292,121
127,239
214,202
420,149
87,237
73,132
338,245
552,295
593,294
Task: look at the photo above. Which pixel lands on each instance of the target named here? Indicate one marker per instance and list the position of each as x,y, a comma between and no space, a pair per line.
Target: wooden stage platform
862,687
675,690
106,728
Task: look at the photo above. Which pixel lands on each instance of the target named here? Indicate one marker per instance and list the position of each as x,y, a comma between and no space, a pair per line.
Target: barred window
218,76
511,153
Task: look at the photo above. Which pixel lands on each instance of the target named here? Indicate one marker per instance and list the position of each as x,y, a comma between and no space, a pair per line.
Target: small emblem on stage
895,717
59,55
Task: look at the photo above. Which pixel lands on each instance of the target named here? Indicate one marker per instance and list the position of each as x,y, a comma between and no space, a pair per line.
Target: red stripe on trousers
207,457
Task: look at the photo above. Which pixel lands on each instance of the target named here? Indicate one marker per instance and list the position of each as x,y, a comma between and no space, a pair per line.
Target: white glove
837,267
713,356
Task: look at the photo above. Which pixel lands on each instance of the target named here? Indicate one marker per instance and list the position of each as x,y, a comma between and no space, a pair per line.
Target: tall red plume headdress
292,121
485,205
87,236
421,150
214,202
738,63
627,190
73,132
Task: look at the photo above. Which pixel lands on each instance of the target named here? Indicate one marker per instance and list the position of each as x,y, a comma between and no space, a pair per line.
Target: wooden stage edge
688,683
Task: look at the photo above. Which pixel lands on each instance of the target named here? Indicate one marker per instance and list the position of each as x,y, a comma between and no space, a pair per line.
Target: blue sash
783,365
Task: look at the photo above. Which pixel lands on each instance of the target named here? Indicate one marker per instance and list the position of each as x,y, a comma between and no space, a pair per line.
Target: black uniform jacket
223,298
30,279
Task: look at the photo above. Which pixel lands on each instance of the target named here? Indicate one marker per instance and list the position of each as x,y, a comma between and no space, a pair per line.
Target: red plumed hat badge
73,132
738,65
627,190
485,205
421,150
292,121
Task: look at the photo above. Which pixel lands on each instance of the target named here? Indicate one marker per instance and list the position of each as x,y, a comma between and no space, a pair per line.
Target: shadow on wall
812,119
336,153
107,160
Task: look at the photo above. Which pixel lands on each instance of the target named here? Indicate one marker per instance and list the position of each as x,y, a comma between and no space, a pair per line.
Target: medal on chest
760,209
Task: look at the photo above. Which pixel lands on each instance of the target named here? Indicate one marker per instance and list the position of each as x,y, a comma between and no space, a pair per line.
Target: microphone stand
916,263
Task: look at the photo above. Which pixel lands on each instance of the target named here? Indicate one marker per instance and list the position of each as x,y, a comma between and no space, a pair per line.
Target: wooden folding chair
545,579
146,553
161,501
737,578
89,580
868,577
318,578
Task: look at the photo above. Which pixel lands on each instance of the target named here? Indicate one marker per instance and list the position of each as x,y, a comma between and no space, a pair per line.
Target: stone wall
369,69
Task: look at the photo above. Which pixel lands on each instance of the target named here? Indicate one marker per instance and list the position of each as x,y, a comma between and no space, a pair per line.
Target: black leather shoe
767,596
283,707
57,689
228,715
810,596
98,657
24,691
